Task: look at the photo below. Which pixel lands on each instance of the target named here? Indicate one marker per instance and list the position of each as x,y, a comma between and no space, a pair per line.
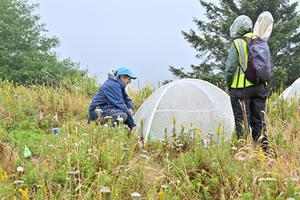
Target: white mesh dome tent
293,91
191,102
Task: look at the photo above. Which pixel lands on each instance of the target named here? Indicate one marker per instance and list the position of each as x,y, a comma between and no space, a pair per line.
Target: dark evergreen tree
26,52
212,40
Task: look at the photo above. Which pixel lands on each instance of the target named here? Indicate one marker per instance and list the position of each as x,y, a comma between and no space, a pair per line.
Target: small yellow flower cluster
198,131
24,193
3,175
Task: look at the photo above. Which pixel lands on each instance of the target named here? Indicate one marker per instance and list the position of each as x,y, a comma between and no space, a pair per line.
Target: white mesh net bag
264,25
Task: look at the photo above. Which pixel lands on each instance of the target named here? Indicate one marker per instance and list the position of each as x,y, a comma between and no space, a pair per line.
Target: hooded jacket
241,26
111,95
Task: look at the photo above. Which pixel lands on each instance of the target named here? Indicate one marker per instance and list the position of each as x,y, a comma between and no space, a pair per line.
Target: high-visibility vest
239,79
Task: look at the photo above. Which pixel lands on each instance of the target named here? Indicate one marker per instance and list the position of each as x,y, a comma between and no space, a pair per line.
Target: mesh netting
193,103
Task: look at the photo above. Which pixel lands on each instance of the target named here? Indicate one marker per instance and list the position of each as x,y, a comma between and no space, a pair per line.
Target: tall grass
83,159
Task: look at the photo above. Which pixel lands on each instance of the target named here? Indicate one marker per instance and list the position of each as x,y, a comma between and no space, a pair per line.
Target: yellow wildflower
161,194
219,130
3,175
198,131
174,121
24,193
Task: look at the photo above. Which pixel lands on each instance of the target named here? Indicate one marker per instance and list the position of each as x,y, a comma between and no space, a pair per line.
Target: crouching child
112,100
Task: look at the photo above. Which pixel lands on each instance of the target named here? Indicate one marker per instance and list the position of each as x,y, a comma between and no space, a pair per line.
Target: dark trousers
115,114
249,106
127,118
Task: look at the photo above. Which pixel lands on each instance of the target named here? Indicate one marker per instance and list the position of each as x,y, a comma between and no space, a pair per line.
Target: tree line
27,54
211,40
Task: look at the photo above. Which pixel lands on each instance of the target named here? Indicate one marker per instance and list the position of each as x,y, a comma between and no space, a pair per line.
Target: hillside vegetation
82,161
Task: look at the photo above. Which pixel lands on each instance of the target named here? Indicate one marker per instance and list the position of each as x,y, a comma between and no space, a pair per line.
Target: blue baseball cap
125,71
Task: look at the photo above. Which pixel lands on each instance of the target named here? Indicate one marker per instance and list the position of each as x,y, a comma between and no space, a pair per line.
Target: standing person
248,99
112,99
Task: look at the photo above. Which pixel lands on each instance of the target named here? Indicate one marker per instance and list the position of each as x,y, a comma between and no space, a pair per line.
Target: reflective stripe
241,46
240,84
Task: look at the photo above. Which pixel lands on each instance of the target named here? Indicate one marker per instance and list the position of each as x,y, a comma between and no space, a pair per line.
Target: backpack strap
242,53
242,61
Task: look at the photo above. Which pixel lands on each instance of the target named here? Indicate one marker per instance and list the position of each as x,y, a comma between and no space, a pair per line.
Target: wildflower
206,143
55,117
20,169
174,121
105,190
41,114
165,186
3,175
24,193
218,130
136,195
161,193
198,131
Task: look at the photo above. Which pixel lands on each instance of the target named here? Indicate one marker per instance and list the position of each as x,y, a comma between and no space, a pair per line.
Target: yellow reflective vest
239,80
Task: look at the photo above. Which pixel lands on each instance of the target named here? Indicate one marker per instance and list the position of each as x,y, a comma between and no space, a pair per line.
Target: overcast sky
143,35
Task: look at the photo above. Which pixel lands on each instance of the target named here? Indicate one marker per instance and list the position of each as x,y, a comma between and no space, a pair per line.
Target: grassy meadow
105,162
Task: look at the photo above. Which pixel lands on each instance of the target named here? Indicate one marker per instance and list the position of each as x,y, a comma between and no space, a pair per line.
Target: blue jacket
111,95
